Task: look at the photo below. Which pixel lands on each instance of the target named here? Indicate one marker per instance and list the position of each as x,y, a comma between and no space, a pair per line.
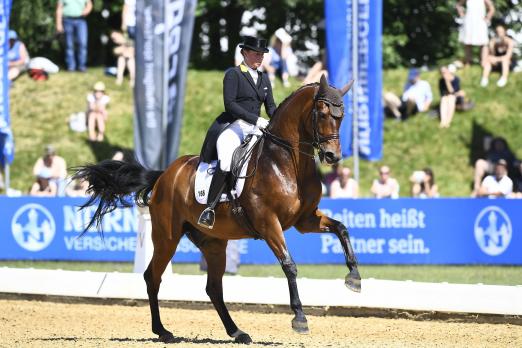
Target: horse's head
327,114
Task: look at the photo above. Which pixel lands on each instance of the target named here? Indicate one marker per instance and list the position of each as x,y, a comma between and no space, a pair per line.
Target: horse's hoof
167,337
243,339
353,280
300,326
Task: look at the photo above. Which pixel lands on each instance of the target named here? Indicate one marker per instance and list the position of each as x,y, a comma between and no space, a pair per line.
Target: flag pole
7,180
355,76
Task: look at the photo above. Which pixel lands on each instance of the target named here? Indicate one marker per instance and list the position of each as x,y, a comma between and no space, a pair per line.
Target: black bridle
318,138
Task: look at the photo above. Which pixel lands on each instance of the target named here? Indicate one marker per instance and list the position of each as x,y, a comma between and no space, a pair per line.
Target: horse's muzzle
330,157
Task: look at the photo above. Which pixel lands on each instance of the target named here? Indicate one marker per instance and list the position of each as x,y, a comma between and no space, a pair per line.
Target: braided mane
285,101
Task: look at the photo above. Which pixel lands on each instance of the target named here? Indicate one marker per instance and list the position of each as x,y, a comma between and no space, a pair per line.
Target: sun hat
13,35
49,150
44,173
99,86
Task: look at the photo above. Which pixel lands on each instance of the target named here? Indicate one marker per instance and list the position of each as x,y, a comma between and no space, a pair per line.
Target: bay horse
284,192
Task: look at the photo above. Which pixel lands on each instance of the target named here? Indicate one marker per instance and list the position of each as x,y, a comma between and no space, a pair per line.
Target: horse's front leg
276,242
318,222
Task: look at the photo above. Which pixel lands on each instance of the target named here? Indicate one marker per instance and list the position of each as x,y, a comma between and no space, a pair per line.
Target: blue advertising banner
6,135
368,87
402,231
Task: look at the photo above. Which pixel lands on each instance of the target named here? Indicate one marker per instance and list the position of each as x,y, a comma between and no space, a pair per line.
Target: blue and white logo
493,230
33,227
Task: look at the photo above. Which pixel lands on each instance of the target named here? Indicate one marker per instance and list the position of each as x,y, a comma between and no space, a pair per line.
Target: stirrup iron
207,218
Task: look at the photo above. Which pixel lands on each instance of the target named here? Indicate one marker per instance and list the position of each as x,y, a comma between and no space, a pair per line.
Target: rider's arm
230,86
270,105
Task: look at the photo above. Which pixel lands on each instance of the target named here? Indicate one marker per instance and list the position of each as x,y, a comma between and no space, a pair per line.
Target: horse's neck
289,124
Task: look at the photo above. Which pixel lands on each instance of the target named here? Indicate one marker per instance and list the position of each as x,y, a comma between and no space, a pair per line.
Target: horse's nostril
330,156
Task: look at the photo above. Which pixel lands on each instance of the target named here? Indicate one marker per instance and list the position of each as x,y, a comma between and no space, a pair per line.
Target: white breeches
230,139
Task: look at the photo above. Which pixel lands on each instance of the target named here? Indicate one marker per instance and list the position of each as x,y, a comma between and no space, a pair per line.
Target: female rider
245,89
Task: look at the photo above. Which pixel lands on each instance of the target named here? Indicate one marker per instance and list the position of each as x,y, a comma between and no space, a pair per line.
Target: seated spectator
331,176
385,186
344,186
17,55
497,185
500,57
424,185
316,71
496,150
282,60
451,97
55,164
417,97
124,51
97,112
44,186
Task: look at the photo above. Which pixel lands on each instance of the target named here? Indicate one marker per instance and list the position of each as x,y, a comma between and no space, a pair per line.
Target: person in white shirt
417,97
344,186
497,185
97,112
385,186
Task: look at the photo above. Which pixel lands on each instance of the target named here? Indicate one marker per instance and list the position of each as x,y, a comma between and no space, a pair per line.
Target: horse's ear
346,87
323,82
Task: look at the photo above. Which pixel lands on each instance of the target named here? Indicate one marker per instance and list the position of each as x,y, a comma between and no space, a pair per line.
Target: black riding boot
218,184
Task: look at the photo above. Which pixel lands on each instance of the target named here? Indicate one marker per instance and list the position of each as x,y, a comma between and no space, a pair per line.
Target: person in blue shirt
18,57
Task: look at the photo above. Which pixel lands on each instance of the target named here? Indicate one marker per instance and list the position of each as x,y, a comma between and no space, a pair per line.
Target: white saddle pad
203,178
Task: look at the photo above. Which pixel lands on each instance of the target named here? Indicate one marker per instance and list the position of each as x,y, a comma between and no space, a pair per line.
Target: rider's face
253,58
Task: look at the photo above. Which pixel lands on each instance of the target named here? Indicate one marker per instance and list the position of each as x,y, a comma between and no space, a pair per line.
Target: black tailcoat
243,100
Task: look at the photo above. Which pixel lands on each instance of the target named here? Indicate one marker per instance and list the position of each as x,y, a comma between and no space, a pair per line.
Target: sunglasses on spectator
385,173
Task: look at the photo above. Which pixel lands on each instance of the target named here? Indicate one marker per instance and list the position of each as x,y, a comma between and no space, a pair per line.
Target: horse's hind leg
214,251
163,251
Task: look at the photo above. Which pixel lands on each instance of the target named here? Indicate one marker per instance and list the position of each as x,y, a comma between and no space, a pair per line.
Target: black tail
110,184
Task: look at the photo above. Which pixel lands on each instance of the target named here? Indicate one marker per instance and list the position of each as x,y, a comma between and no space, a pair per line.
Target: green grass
40,109
505,275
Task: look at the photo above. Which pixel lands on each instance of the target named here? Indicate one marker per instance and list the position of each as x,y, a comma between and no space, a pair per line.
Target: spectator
331,176
97,112
344,186
424,185
316,71
55,164
417,97
124,50
497,185
451,96
70,18
385,186
44,186
282,60
128,18
500,57
474,29
77,188
18,56
496,150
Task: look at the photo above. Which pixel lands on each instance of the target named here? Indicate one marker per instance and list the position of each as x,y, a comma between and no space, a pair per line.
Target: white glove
261,123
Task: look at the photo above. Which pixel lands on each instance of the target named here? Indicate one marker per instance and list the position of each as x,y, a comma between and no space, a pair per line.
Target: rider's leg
229,140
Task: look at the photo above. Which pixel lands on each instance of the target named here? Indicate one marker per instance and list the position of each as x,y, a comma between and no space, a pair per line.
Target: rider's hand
261,123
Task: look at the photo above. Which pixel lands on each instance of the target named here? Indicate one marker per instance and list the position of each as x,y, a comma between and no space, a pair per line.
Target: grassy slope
451,274
39,111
